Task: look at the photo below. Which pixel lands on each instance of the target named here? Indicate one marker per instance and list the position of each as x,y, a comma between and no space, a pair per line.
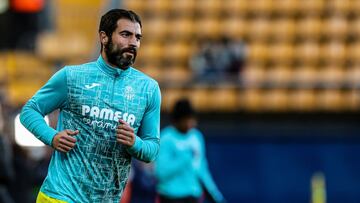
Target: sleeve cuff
136,147
50,136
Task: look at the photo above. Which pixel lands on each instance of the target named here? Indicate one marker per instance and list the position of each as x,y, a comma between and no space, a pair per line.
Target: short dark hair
182,109
108,22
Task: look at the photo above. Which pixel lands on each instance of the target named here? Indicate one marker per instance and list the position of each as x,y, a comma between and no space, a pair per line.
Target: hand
64,140
125,134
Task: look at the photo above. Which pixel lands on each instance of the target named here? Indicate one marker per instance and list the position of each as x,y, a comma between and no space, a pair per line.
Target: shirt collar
105,67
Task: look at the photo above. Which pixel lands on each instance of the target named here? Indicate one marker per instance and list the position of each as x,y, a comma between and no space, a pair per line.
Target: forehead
125,24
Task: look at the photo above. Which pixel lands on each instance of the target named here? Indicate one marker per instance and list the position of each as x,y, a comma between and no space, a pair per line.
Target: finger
69,138
124,142
67,143
123,122
60,149
71,132
124,132
126,127
124,137
65,148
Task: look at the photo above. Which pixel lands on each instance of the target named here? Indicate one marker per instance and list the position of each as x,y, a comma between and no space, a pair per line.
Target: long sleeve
146,145
170,161
206,178
51,96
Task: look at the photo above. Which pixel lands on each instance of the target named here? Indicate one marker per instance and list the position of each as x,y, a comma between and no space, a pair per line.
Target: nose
134,42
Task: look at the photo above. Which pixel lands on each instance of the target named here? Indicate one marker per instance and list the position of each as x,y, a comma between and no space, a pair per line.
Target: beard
118,56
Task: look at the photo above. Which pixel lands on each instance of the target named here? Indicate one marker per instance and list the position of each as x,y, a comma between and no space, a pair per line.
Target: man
109,112
181,167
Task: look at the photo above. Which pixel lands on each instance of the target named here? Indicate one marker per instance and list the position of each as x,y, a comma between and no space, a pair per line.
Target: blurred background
276,84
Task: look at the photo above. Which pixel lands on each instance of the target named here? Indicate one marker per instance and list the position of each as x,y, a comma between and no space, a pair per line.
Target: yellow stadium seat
279,75
354,99
259,29
312,7
155,29
302,99
258,52
332,75
157,7
153,71
281,53
305,76
252,99
208,27
352,75
184,8
136,5
223,99
235,27
276,99
283,29
199,96
286,7
353,52
261,7
334,52
336,27
151,52
253,75
308,52
176,75
170,96
177,52
354,26
340,7
309,27
181,28
235,7
210,8
331,100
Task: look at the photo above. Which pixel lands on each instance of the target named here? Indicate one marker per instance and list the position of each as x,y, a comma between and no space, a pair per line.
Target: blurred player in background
109,112
181,168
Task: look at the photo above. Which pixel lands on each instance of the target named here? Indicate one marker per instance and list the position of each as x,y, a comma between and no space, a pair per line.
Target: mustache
130,50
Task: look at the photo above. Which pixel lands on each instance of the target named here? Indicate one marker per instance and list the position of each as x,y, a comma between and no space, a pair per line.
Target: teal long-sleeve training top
92,98
181,168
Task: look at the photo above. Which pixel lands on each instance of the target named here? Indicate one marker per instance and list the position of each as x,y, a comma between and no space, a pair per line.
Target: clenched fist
125,134
64,140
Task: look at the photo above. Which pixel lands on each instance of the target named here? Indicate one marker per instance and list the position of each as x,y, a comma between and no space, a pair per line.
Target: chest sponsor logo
92,85
104,117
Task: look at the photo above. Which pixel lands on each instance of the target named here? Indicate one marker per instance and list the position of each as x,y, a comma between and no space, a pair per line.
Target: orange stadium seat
332,75
153,71
258,52
210,8
181,28
261,7
208,27
176,75
170,96
352,75
234,27
151,52
331,100
354,99
339,7
223,99
158,7
155,29
199,96
137,5
177,52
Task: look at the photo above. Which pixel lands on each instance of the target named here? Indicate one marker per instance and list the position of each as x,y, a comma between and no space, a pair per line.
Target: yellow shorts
42,198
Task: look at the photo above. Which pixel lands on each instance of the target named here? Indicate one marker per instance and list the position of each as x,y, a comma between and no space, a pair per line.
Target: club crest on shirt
129,93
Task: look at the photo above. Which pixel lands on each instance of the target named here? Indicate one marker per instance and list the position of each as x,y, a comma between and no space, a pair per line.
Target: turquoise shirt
92,97
181,168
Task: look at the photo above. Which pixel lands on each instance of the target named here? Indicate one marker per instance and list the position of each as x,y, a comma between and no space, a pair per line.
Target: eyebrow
128,32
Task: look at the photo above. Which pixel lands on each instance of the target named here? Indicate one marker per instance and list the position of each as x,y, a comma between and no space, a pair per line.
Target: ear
103,37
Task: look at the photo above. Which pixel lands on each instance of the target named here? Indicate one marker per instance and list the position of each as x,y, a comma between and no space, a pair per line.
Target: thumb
71,132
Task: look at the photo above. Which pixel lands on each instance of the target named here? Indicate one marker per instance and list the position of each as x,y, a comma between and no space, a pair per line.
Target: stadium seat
176,75
199,96
340,7
259,29
258,52
155,29
335,28
235,7
281,53
177,52
235,27
182,8
312,7
275,99
136,5
209,8
223,99
352,75
330,100
158,7
283,29
182,28
252,100
170,96
261,7
286,7
334,52
253,75
309,27
302,99
332,76
151,52
279,75
305,76
308,52
207,27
